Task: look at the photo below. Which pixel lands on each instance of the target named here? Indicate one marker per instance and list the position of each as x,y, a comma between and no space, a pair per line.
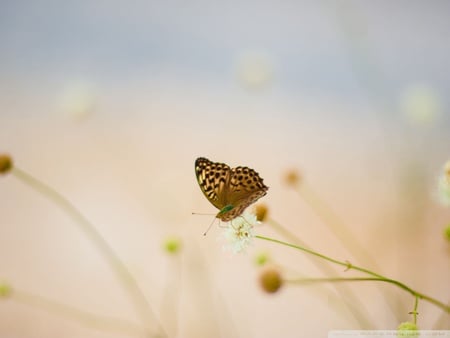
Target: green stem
354,305
140,303
338,227
414,312
333,222
366,271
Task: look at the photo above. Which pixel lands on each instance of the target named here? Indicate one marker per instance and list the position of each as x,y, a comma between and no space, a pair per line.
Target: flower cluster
444,185
239,232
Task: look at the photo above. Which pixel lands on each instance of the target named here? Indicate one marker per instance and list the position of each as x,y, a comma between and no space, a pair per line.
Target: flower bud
447,232
261,259
292,177
447,171
5,290
407,329
261,212
5,163
270,280
172,245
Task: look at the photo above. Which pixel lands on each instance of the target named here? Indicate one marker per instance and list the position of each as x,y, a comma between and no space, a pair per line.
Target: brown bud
447,170
270,280
292,177
261,212
5,163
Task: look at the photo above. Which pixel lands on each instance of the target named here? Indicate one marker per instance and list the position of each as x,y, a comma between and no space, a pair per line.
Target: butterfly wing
212,178
245,186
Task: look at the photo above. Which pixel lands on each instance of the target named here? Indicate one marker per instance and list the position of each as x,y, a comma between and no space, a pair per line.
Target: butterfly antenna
209,227
198,213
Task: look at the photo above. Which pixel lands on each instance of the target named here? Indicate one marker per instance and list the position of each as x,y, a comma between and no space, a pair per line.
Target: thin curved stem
86,318
354,305
349,266
140,303
339,229
414,311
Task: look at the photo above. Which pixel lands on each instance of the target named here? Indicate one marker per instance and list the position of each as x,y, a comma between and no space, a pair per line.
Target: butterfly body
231,190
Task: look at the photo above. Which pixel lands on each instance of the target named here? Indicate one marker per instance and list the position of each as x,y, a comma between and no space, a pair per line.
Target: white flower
254,69
239,232
78,101
444,185
421,104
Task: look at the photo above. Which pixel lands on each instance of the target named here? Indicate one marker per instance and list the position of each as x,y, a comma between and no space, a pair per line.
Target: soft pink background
161,87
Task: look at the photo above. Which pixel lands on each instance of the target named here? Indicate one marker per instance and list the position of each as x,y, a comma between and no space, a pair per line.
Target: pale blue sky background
315,45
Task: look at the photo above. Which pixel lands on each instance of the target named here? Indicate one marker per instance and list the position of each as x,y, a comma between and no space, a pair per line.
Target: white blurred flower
78,100
421,104
254,70
239,232
444,185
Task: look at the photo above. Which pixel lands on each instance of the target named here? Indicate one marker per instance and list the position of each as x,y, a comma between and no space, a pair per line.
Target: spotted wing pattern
212,178
229,190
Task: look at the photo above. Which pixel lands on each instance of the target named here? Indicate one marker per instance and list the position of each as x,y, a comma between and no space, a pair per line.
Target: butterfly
231,190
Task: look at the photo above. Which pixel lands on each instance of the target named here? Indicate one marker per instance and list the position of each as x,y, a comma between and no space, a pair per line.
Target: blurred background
111,102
